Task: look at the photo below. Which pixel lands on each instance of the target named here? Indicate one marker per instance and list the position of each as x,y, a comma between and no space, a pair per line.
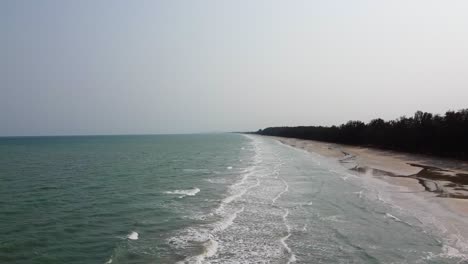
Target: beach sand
445,178
435,187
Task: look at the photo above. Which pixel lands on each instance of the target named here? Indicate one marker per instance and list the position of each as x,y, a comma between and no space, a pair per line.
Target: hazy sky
117,67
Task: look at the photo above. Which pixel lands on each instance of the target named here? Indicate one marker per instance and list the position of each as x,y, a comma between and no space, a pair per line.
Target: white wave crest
393,217
183,193
292,257
133,236
227,221
286,188
210,247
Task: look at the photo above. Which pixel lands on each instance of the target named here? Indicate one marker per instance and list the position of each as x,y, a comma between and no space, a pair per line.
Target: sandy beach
437,187
446,178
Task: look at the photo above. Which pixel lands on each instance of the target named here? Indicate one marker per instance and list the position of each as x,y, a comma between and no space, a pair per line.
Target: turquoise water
214,198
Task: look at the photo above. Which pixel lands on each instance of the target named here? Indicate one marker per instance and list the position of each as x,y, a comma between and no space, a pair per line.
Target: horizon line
103,135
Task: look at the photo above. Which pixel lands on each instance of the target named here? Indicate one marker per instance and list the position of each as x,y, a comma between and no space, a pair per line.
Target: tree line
426,133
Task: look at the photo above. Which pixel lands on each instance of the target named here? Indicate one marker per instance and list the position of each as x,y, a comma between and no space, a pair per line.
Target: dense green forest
442,135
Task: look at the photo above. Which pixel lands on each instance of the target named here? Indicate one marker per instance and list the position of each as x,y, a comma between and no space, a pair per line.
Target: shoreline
446,178
435,190
436,180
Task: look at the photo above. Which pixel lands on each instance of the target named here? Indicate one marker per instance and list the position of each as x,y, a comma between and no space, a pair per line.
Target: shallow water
219,198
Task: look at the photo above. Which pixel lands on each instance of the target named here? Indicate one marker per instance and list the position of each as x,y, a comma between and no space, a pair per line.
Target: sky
144,67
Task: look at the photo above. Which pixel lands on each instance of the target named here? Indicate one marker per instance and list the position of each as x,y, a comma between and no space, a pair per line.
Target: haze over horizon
127,67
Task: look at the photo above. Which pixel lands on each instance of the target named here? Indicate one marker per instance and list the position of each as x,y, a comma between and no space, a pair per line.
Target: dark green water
214,198
75,199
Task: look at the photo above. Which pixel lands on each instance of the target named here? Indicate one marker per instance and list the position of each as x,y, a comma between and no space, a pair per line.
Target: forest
441,135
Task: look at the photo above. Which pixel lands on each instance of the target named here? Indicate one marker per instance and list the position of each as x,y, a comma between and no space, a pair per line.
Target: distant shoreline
423,133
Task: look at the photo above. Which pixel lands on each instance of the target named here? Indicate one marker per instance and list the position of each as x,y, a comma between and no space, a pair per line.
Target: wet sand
435,189
443,177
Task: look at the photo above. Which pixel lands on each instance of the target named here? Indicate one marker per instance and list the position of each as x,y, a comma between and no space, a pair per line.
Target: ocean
207,198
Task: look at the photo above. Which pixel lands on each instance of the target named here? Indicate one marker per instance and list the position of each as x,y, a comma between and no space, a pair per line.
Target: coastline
433,188
445,178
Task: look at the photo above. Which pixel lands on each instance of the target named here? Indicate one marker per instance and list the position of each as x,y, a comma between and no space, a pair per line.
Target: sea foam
229,220
292,256
210,247
133,236
183,193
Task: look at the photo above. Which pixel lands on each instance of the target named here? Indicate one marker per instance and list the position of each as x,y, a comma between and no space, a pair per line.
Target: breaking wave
183,193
